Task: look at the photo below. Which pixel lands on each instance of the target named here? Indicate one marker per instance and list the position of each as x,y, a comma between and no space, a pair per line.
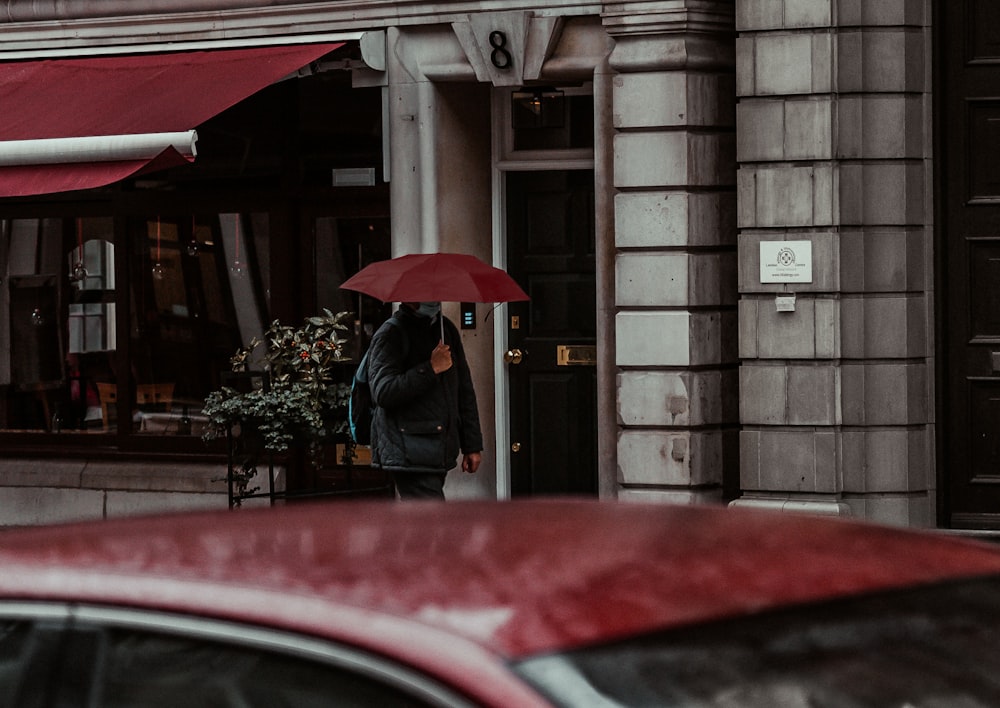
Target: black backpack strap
361,373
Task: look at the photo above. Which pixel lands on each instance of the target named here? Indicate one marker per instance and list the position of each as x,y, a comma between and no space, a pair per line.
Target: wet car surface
527,603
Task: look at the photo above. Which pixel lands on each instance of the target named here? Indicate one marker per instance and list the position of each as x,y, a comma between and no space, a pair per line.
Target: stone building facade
719,127
837,397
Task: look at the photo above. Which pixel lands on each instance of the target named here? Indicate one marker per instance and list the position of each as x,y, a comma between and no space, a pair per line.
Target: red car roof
506,579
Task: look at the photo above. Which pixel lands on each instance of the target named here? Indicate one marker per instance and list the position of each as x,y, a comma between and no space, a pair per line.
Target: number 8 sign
500,57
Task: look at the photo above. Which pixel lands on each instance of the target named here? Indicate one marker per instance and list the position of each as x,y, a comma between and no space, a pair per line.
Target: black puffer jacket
421,420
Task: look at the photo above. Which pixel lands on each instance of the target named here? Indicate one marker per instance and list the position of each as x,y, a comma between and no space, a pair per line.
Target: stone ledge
155,478
33,506
797,506
126,476
120,504
672,19
41,473
684,497
120,476
914,510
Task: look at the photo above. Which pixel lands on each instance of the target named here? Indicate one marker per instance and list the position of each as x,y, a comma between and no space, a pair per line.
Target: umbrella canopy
431,277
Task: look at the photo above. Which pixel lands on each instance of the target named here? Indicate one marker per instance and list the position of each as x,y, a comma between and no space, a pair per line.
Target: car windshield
925,648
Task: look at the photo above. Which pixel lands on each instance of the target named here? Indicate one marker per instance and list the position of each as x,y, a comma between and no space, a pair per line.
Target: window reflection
159,671
91,325
123,325
92,306
246,280
34,337
343,247
199,293
197,287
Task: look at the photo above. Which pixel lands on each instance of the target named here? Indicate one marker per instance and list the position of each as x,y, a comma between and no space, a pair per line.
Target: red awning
125,95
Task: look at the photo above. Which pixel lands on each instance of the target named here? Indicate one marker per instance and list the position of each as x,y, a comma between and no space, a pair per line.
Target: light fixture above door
537,108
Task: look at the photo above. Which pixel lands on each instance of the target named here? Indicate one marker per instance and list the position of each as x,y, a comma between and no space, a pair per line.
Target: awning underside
128,100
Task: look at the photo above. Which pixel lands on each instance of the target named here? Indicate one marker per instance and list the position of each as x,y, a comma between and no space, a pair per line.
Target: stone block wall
836,397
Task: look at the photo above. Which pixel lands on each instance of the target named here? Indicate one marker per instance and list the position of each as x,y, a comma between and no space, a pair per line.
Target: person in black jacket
425,409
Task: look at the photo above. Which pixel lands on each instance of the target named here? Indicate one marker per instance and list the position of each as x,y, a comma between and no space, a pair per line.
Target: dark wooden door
969,125
553,385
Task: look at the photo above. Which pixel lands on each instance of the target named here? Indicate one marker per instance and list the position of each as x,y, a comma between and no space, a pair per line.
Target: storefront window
121,306
122,326
199,292
198,287
343,247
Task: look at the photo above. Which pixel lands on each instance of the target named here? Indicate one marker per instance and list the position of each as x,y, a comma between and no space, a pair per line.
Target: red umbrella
432,277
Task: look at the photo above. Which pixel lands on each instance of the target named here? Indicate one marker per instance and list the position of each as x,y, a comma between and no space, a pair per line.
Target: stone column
439,135
675,320
835,396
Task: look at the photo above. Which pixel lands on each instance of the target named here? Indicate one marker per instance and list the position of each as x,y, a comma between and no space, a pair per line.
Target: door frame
952,57
504,160
939,109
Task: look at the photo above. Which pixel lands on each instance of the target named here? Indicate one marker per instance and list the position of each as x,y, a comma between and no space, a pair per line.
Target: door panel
984,280
984,411
970,188
553,399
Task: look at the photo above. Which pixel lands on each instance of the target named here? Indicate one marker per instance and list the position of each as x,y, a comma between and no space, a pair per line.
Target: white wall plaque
786,262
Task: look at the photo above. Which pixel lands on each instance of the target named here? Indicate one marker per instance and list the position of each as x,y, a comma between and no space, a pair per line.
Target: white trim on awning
179,46
95,148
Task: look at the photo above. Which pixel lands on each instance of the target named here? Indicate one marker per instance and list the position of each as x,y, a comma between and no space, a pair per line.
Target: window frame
70,617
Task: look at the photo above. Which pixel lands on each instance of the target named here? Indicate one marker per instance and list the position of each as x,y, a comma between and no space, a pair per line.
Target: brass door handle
513,356
516,447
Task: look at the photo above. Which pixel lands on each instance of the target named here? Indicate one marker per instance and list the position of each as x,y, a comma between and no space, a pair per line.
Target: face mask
429,310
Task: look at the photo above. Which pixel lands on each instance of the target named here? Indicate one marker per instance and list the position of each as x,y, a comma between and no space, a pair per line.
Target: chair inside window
155,397
108,393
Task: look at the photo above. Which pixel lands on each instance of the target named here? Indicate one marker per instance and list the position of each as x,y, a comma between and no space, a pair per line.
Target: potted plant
302,402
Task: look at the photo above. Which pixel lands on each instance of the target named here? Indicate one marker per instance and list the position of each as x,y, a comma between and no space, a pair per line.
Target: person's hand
470,462
441,358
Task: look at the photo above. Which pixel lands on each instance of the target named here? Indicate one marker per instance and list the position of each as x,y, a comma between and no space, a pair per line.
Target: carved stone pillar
675,247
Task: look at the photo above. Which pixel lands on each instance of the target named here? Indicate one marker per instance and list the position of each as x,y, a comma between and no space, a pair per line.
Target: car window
159,671
15,650
137,668
89,656
925,648
28,656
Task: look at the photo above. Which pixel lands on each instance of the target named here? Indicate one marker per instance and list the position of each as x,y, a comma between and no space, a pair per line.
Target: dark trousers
415,485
